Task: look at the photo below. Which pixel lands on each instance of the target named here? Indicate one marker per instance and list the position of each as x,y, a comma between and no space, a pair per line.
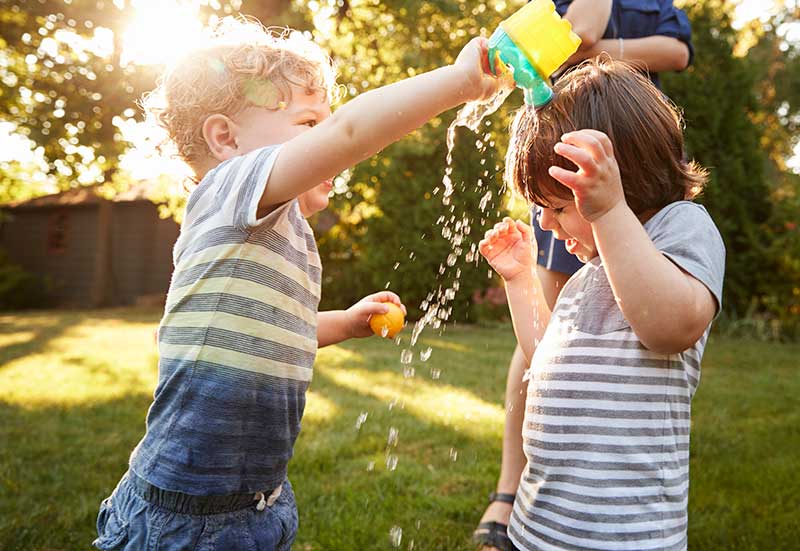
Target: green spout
534,87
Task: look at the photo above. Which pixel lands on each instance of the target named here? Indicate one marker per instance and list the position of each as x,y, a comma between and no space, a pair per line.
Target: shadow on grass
37,329
447,451
58,462
36,332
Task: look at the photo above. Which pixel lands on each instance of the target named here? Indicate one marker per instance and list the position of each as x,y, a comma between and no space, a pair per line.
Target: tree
399,233
66,87
735,128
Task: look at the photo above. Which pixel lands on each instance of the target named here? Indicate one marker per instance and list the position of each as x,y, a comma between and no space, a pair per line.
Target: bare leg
513,460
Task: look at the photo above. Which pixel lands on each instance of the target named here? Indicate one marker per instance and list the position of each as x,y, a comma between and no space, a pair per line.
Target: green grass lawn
75,387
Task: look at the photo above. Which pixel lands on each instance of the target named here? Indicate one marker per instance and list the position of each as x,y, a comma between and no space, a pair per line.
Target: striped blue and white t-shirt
237,341
606,430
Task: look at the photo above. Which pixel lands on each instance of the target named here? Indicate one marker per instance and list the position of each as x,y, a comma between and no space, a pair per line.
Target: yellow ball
389,324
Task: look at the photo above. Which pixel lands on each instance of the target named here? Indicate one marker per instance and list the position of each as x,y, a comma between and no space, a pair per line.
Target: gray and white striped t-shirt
606,429
237,341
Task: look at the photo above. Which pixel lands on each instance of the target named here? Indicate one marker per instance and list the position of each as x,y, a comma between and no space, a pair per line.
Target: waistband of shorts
188,504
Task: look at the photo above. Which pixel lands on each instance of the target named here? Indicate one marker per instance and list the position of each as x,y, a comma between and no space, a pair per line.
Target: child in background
616,363
250,113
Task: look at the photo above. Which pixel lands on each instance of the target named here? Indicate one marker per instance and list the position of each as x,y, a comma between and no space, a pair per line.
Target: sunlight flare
161,32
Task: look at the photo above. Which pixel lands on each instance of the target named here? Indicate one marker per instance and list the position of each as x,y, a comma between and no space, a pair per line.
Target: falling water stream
454,227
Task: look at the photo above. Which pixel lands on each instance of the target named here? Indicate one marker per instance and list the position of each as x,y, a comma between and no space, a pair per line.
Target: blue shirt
642,18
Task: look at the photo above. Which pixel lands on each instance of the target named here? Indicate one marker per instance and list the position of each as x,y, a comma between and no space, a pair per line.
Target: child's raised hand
508,248
359,313
596,184
473,61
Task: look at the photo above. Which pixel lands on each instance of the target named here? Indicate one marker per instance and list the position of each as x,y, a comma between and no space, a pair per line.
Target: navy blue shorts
552,253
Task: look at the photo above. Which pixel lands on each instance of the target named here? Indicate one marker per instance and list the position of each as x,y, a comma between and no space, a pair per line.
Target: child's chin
310,209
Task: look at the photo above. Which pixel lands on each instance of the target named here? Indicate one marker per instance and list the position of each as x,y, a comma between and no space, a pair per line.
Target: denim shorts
127,522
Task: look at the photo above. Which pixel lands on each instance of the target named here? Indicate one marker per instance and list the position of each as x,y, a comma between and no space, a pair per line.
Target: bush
20,289
490,305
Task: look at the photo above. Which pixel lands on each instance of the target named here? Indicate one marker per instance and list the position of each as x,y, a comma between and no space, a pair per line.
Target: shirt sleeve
561,6
674,22
229,195
685,233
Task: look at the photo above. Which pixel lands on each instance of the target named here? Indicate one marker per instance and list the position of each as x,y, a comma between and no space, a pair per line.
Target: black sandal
493,533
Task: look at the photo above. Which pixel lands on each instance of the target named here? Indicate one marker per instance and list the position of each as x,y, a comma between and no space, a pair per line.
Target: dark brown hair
643,125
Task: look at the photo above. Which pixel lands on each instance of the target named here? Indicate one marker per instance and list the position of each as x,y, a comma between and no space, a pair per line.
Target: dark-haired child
617,361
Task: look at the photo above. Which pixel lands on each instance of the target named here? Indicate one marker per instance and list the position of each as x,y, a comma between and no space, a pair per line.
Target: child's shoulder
680,211
682,219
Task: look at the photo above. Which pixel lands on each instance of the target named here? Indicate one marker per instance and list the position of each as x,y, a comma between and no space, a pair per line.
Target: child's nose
546,219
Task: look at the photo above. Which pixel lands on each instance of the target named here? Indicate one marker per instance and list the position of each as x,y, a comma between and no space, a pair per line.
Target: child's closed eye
311,123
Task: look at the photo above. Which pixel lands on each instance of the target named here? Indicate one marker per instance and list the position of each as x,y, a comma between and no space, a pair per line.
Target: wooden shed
94,252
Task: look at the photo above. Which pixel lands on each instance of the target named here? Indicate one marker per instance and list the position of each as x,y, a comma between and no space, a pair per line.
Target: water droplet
436,373
406,356
425,354
396,535
391,462
394,436
371,466
408,372
453,454
384,331
485,200
362,418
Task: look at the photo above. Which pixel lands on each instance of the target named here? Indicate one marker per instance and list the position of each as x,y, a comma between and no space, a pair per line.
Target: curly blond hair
243,64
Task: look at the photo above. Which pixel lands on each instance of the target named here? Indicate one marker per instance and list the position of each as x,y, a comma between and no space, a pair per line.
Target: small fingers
386,296
603,139
566,177
372,308
597,143
584,160
525,230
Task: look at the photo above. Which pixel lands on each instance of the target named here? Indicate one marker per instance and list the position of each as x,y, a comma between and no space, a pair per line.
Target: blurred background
72,71
398,450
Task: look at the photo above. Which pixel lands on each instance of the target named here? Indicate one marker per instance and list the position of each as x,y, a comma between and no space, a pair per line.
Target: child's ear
220,134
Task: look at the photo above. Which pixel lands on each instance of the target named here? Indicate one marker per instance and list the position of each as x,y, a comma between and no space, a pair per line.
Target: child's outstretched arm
668,309
374,120
336,326
508,249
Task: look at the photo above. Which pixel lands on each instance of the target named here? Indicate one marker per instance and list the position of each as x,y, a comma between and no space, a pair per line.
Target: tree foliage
734,126
392,227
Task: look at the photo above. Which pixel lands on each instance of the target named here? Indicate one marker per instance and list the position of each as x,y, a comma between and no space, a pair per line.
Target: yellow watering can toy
533,42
